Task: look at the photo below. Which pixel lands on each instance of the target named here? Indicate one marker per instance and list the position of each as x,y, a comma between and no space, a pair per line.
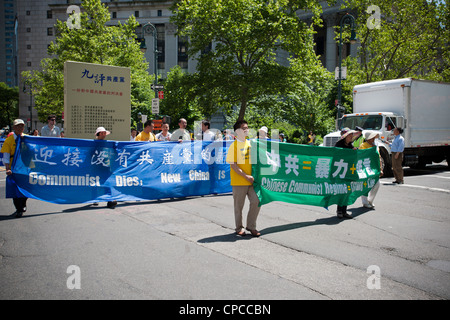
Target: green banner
318,176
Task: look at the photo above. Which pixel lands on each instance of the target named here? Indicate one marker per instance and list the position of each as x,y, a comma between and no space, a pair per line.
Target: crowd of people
355,139
240,164
242,179
49,130
180,134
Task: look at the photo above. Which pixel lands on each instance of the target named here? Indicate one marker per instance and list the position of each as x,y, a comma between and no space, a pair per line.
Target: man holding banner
100,134
87,171
318,176
242,180
345,142
8,150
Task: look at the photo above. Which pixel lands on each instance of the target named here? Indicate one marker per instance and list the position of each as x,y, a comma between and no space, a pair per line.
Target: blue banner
69,171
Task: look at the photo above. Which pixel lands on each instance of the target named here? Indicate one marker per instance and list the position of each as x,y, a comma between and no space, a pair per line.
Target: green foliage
304,108
179,99
412,41
9,103
246,35
93,42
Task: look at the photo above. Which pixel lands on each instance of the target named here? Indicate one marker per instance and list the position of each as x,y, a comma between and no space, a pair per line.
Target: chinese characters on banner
317,176
96,96
77,171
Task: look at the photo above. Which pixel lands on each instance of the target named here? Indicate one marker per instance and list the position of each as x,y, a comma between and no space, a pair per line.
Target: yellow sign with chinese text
95,96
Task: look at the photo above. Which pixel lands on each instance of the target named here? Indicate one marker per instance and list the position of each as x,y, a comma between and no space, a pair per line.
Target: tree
303,108
404,38
93,42
9,98
238,41
179,101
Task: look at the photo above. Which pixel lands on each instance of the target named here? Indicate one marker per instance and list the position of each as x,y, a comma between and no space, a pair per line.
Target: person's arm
239,171
6,162
8,146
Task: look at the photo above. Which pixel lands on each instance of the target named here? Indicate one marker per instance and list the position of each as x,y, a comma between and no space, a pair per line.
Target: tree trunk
244,98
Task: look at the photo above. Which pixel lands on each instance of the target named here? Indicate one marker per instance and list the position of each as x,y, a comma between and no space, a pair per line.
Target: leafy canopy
9,103
411,40
238,41
93,42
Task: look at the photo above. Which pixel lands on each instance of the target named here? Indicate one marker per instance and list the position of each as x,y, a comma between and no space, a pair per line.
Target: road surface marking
442,177
426,188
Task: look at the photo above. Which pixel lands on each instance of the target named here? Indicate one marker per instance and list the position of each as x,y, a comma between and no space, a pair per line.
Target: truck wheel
386,163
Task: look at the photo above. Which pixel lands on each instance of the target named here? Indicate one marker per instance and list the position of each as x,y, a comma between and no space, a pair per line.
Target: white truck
420,107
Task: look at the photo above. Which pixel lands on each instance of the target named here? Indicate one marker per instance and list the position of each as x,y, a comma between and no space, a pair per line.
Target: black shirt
341,144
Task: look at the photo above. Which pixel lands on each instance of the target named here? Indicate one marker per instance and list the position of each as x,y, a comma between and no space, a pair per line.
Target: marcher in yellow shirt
242,180
8,150
239,154
147,134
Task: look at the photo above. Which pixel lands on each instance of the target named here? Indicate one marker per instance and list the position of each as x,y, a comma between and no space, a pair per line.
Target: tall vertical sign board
96,96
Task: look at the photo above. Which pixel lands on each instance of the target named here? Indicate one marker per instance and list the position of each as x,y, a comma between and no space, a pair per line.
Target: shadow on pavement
297,225
329,221
231,237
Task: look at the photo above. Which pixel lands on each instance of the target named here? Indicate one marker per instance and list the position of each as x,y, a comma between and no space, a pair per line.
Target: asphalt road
187,249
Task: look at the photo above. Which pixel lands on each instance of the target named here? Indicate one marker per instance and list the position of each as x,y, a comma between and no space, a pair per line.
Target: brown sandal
255,233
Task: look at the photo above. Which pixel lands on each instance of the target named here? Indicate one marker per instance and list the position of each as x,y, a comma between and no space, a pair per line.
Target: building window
29,63
49,14
28,12
136,14
320,46
182,53
49,31
28,29
161,44
114,15
28,46
159,13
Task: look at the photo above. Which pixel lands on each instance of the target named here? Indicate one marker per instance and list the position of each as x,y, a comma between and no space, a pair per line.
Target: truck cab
420,107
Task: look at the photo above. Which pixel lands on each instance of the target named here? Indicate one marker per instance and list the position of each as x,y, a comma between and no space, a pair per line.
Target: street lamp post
347,19
150,28
30,107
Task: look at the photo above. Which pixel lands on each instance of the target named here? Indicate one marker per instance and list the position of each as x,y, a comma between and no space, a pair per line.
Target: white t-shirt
208,136
160,136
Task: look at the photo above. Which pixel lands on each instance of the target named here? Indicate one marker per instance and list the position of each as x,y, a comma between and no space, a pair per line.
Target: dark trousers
342,209
20,204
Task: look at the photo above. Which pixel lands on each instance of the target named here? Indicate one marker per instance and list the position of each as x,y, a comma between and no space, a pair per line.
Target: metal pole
348,18
147,28
339,74
30,107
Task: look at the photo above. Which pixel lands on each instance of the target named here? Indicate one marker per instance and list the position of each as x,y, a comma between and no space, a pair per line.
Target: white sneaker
368,205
